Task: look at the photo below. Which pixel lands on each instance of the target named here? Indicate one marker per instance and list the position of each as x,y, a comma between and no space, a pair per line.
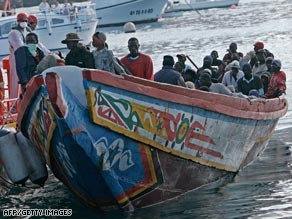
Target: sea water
261,190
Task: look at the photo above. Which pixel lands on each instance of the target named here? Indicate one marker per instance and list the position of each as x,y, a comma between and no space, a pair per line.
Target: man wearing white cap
231,77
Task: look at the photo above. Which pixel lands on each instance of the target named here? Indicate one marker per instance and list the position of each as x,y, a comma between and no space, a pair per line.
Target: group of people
27,53
257,73
56,7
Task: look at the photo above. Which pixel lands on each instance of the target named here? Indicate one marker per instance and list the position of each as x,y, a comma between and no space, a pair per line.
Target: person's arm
88,59
149,69
15,40
20,61
181,81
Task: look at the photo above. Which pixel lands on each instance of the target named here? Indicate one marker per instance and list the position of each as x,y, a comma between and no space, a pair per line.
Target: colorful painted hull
128,142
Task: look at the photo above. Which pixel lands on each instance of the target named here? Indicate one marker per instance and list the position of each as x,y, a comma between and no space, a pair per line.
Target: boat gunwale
256,109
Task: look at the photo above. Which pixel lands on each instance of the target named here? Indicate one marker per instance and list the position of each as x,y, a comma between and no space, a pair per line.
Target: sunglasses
23,21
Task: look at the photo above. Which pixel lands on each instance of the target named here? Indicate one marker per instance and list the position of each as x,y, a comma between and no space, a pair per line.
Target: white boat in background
119,12
52,28
188,5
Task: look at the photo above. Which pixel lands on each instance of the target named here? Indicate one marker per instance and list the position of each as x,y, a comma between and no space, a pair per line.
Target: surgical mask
32,48
23,24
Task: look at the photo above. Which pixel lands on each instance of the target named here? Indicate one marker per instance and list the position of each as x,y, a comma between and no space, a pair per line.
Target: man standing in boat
78,55
138,63
16,39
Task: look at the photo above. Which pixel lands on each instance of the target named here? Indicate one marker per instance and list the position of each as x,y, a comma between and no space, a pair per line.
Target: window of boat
6,28
42,23
57,21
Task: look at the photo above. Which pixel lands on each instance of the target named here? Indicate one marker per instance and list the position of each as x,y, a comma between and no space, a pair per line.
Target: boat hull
117,13
107,166
199,5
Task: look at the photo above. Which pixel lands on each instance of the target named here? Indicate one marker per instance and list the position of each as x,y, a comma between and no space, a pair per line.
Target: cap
259,44
21,17
32,19
181,55
235,64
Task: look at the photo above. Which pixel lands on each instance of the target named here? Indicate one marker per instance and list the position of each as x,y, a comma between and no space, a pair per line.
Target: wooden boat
189,5
118,140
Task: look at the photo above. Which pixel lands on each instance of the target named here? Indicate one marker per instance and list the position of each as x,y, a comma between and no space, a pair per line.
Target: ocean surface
262,189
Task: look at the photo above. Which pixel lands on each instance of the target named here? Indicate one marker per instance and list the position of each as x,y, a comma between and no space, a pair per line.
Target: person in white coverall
16,39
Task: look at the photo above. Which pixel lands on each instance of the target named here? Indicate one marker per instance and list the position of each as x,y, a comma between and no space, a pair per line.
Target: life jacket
20,30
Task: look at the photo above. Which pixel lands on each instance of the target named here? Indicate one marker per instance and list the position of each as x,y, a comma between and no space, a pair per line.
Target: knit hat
266,74
277,63
246,67
168,61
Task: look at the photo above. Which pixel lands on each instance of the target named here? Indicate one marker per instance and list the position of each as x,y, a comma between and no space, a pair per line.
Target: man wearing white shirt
231,77
16,39
44,6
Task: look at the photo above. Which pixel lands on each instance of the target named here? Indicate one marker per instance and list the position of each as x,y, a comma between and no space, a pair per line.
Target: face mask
23,24
32,48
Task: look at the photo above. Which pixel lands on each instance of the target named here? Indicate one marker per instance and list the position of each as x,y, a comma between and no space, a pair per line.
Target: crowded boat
257,74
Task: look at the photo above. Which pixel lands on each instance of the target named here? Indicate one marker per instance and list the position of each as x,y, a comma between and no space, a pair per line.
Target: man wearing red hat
257,58
16,39
33,23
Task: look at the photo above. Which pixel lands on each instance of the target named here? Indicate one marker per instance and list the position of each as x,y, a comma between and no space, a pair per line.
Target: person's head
32,21
258,46
207,61
235,66
168,61
269,61
181,58
179,66
98,40
71,40
22,20
205,79
31,38
133,46
276,65
233,47
266,78
214,54
246,68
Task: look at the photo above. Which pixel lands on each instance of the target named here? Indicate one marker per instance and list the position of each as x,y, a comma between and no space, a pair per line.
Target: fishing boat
52,28
188,5
119,12
126,142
